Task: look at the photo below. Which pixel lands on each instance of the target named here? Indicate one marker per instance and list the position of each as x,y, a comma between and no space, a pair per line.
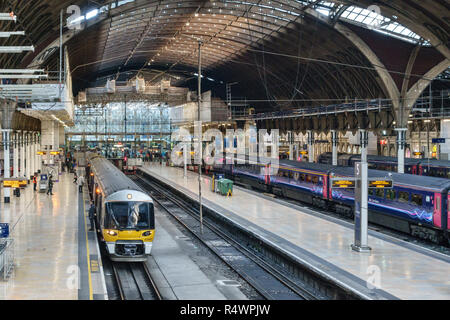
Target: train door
448,212
267,174
437,221
414,169
325,186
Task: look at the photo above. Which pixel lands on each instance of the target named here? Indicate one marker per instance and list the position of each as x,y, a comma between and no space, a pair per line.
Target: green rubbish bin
224,186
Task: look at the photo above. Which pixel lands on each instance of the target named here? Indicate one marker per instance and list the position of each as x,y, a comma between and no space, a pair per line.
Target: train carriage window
390,194
403,196
416,199
315,179
379,193
428,201
291,174
308,178
302,177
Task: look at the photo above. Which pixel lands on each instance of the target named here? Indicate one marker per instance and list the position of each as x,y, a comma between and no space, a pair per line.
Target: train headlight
112,233
146,233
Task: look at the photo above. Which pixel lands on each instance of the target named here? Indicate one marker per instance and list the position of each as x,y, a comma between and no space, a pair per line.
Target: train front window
128,215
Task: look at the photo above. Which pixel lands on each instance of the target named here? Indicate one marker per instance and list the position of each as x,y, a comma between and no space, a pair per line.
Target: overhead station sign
343,183
14,183
380,183
349,183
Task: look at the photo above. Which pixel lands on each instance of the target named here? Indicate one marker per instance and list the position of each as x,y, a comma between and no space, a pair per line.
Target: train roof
416,181
409,161
435,163
306,165
112,180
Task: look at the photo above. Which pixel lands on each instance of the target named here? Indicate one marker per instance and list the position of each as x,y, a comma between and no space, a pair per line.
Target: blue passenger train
417,205
421,167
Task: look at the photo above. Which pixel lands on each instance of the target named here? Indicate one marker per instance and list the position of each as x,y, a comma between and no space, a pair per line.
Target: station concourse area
50,246
407,271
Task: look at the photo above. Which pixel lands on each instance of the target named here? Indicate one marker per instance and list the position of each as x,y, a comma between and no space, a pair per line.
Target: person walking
80,182
50,185
92,215
34,182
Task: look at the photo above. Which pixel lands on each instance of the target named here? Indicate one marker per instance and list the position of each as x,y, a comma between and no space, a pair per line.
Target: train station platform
55,257
404,270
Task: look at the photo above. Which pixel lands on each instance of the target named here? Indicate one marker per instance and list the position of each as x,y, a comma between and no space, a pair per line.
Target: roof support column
334,144
38,157
401,142
28,156
364,141
16,155
6,133
22,154
310,145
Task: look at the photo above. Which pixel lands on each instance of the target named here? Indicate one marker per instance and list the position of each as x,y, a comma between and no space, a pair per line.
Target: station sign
54,153
303,152
4,230
14,183
350,183
341,183
41,153
438,140
380,183
418,153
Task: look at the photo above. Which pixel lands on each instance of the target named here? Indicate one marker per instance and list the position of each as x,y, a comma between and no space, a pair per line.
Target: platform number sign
4,230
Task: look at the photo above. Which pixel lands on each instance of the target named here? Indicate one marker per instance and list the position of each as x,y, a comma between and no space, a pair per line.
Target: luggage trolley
43,183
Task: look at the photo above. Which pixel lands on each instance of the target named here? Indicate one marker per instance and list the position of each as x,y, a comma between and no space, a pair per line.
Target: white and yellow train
124,212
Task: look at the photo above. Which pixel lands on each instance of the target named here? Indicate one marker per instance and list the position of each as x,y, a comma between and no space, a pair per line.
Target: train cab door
448,212
420,170
414,169
325,186
267,174
437,221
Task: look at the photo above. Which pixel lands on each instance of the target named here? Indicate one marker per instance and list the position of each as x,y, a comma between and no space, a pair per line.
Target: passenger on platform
75,178
80,182
50,185
92,215
34,182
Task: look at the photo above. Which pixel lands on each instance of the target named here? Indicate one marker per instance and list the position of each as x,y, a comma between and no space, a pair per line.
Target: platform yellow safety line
91,296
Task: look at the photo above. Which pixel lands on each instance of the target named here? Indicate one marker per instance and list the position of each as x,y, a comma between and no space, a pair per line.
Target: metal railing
375,104
6,257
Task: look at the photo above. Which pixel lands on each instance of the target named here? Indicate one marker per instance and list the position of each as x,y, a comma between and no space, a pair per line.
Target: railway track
134,281
266,279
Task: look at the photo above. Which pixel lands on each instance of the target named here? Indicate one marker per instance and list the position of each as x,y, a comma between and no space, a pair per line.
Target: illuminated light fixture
12,33
187,23
23,76
97,190
13,49
8,16
21,70
91,14
129,196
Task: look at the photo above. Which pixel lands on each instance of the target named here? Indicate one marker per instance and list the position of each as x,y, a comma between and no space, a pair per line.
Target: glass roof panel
371,20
